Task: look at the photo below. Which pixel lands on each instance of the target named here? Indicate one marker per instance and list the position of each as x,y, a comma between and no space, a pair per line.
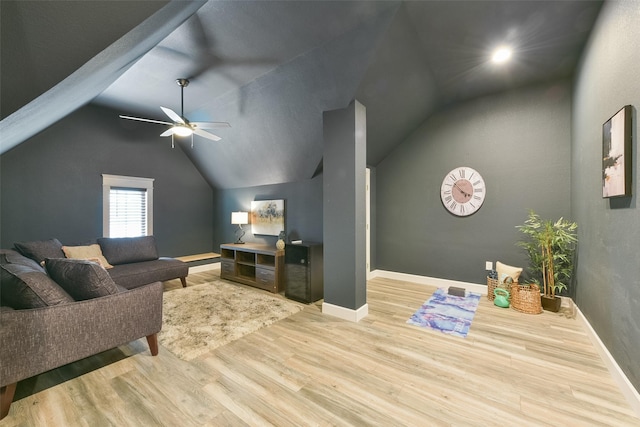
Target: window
127,206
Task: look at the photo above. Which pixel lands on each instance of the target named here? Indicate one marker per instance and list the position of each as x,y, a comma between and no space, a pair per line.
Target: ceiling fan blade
167,132
173,115
205,134
210,125
144,120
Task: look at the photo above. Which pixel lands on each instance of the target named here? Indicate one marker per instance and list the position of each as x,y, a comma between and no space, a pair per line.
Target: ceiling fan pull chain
172,145
191,140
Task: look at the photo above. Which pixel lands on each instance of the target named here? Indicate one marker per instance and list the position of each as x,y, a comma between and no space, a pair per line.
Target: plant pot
550,303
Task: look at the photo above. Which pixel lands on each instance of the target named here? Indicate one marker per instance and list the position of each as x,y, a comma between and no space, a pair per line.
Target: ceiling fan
181,126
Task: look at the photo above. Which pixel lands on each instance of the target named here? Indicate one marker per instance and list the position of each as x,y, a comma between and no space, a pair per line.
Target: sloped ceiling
271,68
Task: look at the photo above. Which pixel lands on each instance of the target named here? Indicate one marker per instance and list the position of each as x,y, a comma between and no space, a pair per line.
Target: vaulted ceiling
270,68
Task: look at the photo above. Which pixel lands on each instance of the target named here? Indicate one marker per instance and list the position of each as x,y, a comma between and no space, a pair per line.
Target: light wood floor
311,369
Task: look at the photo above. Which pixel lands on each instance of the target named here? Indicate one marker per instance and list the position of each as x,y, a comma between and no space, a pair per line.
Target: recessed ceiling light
501,55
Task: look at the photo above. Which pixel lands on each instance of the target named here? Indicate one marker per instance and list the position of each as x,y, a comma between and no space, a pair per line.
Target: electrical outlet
488,265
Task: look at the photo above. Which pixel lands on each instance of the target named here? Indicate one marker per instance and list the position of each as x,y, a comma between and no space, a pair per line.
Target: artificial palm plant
551,247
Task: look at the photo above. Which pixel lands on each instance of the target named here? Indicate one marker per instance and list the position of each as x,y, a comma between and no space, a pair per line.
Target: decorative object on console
239,219
267,217
280,243
616,154
463,191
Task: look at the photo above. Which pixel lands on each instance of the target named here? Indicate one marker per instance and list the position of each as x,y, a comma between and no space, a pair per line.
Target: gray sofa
70,309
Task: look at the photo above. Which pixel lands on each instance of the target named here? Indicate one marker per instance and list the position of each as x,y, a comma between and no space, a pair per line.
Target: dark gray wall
608,288
519,142
51,185
303,211
344,206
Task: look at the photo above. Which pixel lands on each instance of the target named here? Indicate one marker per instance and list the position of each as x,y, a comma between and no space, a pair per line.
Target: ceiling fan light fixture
501,55
182,131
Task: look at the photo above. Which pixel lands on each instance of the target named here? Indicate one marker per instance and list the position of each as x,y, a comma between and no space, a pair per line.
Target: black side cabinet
304,272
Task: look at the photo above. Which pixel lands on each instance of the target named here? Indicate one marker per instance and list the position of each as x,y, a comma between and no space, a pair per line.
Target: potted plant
550,247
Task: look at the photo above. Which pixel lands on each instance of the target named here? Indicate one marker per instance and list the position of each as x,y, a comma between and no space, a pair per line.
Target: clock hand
455,184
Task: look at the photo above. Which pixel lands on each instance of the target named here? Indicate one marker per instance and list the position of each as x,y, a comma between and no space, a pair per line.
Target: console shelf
252,264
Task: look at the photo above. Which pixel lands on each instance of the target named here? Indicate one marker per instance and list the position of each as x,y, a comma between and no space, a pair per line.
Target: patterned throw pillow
82,279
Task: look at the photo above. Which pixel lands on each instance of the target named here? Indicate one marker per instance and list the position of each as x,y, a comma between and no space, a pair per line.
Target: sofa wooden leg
6,397
184,282
152,340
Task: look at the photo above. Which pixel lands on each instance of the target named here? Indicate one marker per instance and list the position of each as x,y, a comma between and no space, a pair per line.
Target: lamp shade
239,217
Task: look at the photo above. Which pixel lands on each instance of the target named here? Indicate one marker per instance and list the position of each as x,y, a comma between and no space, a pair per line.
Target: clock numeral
447,199
471,176
472,205
477,183
453,177
453,205
461,172
477,197
447,192
461,208
478,190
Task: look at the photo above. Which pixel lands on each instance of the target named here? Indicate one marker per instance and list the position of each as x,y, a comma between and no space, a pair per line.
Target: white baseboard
433,281
627,389
345,313
204,267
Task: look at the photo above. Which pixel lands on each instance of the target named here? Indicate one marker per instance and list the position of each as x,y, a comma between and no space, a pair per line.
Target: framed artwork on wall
616,154
267,217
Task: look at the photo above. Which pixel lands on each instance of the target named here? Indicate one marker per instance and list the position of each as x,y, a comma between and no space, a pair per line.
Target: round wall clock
463,191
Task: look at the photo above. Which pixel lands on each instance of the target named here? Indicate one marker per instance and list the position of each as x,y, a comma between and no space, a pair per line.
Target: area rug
447,313
203,317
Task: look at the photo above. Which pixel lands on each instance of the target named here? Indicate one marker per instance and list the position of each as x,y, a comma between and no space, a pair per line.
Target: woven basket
492,284
526,299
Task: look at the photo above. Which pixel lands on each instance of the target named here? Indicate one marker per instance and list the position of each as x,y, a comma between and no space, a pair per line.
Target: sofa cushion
41,249
82,279
125,250
133,275
91,253
24,287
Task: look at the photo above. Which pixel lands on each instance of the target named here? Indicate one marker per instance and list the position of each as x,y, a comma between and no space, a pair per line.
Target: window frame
132,182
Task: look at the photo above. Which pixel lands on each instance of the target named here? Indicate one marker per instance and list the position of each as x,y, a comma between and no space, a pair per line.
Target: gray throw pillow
41,249
14,257
23,287
82,279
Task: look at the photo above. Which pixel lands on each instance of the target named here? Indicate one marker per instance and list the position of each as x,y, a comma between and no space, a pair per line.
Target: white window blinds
128,212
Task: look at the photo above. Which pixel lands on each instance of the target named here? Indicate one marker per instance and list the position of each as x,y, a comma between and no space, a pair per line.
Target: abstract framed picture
267,217
616,154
